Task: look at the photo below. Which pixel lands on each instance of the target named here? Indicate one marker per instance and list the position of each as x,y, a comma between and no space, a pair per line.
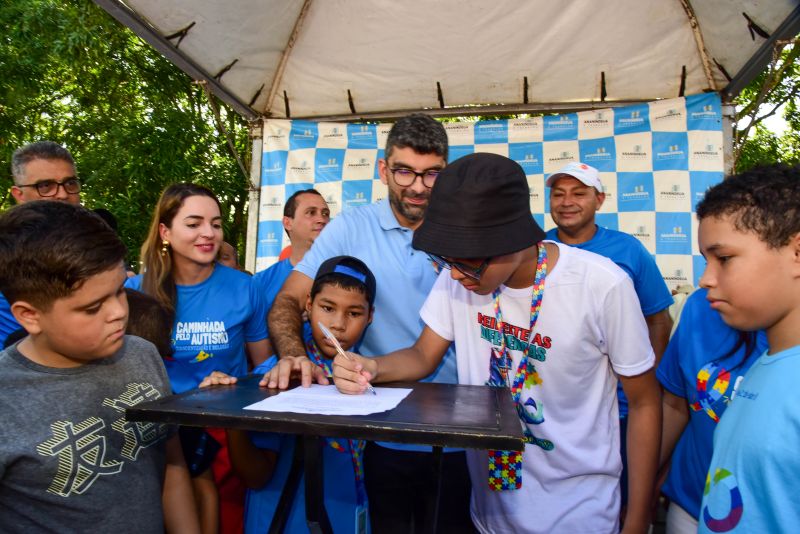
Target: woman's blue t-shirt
213,321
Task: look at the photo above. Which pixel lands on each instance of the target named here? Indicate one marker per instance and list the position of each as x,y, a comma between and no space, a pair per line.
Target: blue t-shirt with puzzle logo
752,479
214,320
701,366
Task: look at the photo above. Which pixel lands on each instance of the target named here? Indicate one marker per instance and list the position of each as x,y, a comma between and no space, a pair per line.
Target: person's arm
207,498
258,351
676,417
253,465
644,439
180,510
286,332
659,326
412,363
285,318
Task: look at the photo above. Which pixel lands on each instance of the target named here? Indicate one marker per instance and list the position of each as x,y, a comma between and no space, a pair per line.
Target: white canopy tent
338,59
346,60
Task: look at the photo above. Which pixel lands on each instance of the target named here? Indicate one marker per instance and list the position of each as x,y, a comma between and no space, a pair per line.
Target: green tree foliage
776,90
133,121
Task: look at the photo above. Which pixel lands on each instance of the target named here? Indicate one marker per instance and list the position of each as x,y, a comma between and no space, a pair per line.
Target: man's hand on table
293,366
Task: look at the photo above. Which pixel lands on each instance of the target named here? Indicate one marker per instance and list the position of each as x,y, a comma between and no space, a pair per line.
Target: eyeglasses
405,177
49,188
467,270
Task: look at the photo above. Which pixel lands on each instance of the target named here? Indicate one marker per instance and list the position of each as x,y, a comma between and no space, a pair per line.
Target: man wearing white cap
576,193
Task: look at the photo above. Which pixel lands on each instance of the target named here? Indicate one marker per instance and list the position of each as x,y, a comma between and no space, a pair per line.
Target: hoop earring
164,247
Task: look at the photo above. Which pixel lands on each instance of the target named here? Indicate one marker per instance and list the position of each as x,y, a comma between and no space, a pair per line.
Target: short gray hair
38,150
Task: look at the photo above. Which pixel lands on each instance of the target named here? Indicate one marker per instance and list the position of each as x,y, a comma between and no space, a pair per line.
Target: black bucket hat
479,208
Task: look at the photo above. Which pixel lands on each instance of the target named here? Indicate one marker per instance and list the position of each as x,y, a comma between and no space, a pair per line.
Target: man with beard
400,479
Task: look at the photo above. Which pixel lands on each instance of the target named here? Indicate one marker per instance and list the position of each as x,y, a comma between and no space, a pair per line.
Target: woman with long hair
220,319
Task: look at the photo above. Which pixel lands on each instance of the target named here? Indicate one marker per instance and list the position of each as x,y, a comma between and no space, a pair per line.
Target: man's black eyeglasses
467,270
405,177
49,188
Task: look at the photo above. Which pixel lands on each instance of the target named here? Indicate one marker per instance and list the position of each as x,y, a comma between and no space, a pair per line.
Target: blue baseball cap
350,267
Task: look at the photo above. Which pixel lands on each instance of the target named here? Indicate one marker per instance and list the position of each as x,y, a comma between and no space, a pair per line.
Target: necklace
505,467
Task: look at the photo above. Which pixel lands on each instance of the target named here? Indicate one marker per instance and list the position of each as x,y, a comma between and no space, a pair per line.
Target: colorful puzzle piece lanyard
356,446
505,467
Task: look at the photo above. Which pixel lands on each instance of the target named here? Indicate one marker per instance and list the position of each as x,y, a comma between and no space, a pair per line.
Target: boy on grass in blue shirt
69,460
341,298
749,234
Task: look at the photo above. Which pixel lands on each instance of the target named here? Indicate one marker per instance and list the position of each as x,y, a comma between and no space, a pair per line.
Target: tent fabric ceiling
368,56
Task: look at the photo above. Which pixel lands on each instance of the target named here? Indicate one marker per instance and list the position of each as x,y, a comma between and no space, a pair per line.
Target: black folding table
440,415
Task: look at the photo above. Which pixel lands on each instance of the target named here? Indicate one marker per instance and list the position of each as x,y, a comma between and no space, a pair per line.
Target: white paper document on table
327,400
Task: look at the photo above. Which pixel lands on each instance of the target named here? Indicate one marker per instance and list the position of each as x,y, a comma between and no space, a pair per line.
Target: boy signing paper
341,300
555,324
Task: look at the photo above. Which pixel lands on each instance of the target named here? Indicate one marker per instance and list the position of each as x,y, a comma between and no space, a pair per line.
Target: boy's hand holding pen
350,371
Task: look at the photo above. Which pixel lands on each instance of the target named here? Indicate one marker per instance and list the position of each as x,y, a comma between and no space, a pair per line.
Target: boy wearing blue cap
554,324
341,299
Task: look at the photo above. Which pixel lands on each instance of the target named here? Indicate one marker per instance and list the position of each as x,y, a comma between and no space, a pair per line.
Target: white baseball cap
585,174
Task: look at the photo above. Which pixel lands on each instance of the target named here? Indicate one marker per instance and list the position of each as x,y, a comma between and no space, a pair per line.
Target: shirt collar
386,216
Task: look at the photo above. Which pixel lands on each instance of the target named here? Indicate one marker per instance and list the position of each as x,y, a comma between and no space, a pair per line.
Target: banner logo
672,152
638,153
708,152
601,154
674,192
670,114
598,120
706,113
677,275
677,234
638,193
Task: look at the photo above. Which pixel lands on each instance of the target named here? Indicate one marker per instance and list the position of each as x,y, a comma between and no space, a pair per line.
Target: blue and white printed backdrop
655,159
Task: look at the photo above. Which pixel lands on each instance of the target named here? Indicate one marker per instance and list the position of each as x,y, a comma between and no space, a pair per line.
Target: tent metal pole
728,124
788,29
276,80
148,33
254,195
701,45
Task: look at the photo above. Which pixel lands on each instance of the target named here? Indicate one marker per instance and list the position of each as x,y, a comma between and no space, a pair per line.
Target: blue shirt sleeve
669,370
256,328
654,295
680,348
266,365
8,323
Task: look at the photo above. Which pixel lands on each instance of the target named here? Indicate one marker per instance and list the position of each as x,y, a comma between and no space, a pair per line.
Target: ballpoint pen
340,350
